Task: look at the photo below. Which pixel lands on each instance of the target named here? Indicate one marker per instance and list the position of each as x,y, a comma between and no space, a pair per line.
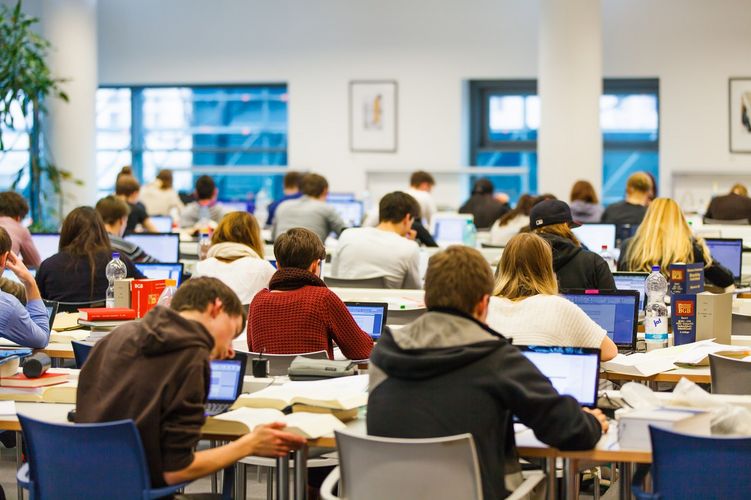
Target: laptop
226,384
573,371
617,311
10,275
233,206
594,236
163,223
369,316
51,306
632,281
162,270
164,247
352,212
448,229
46,243
729,253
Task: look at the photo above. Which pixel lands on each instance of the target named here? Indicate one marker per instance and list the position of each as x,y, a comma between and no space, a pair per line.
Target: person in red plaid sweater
298,313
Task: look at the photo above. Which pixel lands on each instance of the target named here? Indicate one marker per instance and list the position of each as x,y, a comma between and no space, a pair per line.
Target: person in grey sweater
310,211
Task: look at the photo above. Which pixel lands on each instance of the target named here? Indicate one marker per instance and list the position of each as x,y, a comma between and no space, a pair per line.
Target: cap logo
538,222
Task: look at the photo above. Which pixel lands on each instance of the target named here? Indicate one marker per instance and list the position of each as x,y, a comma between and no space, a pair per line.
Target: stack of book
102,320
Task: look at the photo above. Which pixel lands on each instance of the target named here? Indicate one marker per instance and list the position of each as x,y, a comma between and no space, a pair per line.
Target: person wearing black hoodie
574,266
485,207
448,373
156,372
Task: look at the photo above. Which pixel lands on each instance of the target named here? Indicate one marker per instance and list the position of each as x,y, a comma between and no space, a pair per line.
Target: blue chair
81,351
685,466
89,461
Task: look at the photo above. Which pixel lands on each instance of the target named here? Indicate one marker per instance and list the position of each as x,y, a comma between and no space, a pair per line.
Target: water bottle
261,212
608,258
656,317
114,271
204,218
470,234
165,299
204,242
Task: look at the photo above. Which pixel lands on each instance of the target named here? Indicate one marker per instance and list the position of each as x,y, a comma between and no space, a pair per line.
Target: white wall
430,47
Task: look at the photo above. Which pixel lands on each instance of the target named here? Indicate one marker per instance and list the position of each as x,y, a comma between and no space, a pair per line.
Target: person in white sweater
526,306
512,222
159,197
236,256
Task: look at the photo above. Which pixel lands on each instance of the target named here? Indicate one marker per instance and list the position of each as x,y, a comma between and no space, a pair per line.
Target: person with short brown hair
309,211
114,213
206,205
483,205
13,209
290,191
298,313
156,372
735,205
449,373
639,188
420,185
236,256
585,205
128,189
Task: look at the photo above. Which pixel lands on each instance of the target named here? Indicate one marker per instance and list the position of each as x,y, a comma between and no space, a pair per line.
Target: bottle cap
655,268
604,247
115,255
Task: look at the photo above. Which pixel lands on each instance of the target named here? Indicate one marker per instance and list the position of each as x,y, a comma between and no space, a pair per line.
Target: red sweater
306,319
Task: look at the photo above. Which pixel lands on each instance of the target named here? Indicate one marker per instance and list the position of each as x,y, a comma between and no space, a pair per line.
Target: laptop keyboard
216,408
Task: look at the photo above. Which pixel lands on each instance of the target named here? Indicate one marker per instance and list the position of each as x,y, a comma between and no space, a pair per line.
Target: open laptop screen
351,211
631,281
163,223
449,230
573,371
164,247
614,310
226,379
594,236
173,271
369,316
46,243
728,252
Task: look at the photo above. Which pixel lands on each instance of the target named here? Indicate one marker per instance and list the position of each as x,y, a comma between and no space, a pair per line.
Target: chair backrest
733,222
730,376
81,351
279,363
685,466
436,468
378,282
75,306
85,460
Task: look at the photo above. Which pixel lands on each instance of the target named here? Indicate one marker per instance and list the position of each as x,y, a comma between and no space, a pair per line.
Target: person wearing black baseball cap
575,267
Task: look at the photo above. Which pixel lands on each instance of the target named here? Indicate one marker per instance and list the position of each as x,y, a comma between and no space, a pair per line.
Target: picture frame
373,116
739,113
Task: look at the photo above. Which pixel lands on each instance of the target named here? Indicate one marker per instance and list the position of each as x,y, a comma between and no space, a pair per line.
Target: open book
345,393
639,364
61,393
243,420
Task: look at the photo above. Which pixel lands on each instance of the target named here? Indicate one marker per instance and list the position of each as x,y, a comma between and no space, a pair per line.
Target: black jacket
716,274
485,208
577,267
447,374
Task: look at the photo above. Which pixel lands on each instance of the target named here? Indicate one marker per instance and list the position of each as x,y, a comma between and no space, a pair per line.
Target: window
506,118
202,126
16,151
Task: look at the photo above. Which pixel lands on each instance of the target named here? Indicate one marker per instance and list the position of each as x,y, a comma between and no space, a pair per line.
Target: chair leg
596,483
269,483
214,481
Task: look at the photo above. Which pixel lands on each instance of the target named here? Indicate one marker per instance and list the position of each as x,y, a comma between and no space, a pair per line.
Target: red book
21,380
145,294
106,314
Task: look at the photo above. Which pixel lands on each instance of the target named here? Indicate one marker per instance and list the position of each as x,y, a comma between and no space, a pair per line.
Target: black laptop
617,311
226,384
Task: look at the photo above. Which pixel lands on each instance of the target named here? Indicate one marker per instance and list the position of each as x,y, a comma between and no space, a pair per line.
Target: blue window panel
514,186
618,165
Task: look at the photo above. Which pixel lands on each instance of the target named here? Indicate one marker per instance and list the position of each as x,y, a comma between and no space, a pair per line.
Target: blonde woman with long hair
527,308
236,256
664,238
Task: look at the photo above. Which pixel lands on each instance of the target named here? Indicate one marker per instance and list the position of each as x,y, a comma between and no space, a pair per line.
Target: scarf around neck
292,278
231,251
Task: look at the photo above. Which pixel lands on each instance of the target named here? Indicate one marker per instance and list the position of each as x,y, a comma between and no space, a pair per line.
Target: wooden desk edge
634,456
660,377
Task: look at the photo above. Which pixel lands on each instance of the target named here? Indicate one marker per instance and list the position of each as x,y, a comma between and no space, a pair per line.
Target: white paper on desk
698,355
7,407
639,364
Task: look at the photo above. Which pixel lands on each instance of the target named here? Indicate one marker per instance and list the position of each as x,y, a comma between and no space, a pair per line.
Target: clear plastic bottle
165,299
204,218
470,234
114,271
261,211
204,242
656,317
608,257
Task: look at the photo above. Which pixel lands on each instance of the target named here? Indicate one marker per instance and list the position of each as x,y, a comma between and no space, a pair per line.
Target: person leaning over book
156,372
468,377
298,313
25,324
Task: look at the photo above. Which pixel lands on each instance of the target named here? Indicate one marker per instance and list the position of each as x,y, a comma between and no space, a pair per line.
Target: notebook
631,281
164,247
370,316
573,371
617,311
729,253
46,243
594,236
226,384
162,270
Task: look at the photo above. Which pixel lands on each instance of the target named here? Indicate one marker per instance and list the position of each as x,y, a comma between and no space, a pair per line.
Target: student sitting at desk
735,205
298,313
127,189
484,206
290,191
13,209
448,373
205,206
236,256
639,188
159,197
25,325
575,267
76,272
386,250
526,306
512,222
664,237
156,372
114,213
421,184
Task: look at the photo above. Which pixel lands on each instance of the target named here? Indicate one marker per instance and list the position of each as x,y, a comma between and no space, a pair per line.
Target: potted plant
25,83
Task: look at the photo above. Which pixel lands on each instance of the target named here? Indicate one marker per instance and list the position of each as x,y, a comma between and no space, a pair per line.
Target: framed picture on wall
372,116
740,115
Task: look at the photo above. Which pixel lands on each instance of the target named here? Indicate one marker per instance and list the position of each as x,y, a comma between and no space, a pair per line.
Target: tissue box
633,426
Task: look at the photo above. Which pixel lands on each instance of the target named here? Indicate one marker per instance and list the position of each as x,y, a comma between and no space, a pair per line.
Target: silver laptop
226,384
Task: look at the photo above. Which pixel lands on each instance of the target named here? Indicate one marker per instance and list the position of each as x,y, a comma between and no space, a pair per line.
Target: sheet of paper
7,407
